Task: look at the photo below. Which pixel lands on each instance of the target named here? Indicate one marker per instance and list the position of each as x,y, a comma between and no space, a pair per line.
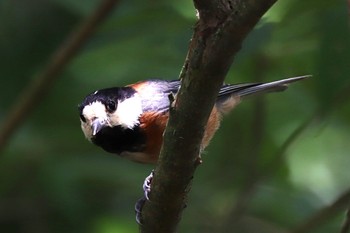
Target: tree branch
271,168
346,226
324,214
218,35
42,84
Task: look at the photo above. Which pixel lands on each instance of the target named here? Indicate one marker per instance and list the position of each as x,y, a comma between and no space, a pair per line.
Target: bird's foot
147,185
141,202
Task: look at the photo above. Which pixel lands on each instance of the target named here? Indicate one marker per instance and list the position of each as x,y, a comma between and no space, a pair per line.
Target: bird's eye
111,106
82,118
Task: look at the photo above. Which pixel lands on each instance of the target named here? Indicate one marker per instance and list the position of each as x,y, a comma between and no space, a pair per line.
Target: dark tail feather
243,90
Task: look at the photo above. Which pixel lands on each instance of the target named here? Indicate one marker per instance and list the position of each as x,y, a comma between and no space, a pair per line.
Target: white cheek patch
127,113
87,130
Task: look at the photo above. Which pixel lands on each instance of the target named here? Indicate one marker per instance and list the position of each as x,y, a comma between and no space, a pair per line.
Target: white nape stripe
127,113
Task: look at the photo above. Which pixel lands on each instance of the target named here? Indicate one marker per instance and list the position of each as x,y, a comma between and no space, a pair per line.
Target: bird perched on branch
129,121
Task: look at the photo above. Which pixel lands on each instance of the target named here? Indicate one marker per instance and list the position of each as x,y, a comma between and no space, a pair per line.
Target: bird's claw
147,185
141,202
138,209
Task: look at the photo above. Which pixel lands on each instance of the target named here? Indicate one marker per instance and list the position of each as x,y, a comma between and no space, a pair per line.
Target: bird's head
108,108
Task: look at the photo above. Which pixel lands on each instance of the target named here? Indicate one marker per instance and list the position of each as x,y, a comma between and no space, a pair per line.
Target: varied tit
130,121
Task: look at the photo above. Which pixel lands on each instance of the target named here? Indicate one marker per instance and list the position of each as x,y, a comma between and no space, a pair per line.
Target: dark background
53,180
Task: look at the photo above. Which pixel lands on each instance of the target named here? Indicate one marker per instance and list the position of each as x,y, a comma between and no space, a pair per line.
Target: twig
42,84
218,35
324,214
349,8
249,189
258,129
346,226
272,166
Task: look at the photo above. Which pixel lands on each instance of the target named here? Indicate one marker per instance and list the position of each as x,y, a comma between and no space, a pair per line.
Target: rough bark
218,36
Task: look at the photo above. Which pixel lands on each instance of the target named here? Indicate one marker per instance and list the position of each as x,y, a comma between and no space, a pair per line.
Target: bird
130,121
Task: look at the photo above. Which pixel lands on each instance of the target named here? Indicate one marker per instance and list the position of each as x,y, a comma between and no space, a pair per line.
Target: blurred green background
53,180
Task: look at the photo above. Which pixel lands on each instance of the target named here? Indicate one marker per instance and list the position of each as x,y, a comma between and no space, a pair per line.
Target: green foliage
53,180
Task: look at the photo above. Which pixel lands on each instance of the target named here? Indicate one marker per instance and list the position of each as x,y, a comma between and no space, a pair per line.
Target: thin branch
271,168
41,85
218,35
346,226
246,194
349,8
252,171
324,214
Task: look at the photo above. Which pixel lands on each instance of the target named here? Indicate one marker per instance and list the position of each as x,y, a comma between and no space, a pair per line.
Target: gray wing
155,94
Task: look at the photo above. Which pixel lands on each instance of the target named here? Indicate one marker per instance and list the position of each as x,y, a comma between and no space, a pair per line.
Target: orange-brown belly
154,125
